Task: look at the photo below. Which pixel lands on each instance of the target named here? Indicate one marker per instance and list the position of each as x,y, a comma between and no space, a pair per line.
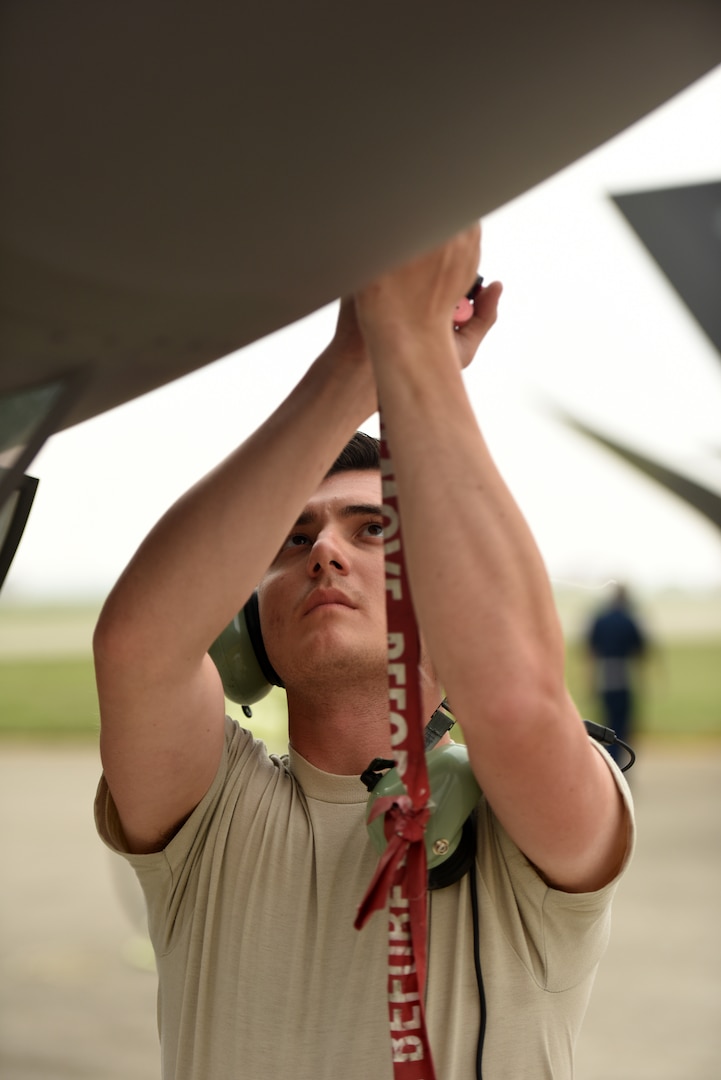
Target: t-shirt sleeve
168,877
558,936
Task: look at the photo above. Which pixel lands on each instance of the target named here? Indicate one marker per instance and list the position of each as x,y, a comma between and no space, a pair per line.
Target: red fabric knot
402,817
404,827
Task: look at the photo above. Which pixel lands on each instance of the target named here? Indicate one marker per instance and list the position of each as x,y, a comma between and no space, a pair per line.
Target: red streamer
399,882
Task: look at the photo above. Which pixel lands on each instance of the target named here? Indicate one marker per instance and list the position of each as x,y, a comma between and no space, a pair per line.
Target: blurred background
590,328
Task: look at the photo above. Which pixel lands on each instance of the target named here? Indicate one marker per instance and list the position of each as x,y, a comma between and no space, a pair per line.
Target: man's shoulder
245,751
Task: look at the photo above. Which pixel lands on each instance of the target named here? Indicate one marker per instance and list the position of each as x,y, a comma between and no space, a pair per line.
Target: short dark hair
361,452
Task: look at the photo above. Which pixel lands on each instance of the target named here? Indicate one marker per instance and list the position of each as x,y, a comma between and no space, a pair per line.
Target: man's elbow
125,641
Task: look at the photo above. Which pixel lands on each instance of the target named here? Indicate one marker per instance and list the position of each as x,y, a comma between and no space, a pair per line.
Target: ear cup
459,863
240,657
454,795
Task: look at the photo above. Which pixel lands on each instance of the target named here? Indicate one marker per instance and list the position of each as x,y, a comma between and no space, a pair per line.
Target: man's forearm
474,565
205,556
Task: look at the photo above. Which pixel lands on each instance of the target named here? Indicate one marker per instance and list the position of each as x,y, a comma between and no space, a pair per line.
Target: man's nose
327,553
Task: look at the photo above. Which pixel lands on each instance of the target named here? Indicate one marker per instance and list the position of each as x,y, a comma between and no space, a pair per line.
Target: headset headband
252,621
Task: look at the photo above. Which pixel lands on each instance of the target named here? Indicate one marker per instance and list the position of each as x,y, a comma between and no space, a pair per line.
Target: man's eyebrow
362,510
350,510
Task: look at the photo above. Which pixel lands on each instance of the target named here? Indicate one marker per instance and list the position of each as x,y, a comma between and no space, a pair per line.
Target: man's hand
416,300
485,312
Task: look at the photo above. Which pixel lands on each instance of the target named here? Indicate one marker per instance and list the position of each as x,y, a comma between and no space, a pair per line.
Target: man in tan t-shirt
252,866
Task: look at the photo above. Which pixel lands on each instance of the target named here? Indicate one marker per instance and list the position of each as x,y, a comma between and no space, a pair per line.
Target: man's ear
240,657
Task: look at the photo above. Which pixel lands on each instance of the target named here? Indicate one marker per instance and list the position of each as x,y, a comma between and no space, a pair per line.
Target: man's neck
340,736
341,733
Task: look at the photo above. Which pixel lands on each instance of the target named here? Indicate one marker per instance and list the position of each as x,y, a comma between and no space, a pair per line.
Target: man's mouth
326,598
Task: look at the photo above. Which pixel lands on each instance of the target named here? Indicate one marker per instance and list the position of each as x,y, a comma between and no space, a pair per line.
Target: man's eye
375,529
296,540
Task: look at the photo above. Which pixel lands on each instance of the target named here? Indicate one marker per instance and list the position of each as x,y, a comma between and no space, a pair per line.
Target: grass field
47,697
678,690
47,688
51,697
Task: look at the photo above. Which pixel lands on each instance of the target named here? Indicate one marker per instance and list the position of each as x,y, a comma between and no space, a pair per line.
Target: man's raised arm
161,701
480,589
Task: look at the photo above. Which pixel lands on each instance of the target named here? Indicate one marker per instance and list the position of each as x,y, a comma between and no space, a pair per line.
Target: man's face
322,602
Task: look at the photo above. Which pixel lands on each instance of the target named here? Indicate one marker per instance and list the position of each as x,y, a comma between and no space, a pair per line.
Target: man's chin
329,662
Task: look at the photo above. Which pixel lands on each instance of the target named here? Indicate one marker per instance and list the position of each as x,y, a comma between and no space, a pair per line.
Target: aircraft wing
681,228
180,180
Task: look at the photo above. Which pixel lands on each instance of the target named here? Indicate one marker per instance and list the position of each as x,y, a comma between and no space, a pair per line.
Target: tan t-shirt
262,975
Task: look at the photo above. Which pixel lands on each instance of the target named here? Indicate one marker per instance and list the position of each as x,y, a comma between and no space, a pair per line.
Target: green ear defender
240,657
454,796
450,836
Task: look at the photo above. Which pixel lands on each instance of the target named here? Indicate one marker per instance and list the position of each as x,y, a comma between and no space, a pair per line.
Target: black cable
607,736
479,973
600,734
629,751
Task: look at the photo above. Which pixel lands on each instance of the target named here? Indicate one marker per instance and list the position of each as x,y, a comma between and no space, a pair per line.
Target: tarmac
77,986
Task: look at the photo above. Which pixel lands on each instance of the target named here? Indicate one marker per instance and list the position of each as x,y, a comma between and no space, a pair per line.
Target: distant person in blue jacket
616,641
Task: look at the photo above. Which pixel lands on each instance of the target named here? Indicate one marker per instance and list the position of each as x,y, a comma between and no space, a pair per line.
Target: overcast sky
587,322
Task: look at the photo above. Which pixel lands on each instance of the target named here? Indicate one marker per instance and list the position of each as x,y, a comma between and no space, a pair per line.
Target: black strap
441,722
252,621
